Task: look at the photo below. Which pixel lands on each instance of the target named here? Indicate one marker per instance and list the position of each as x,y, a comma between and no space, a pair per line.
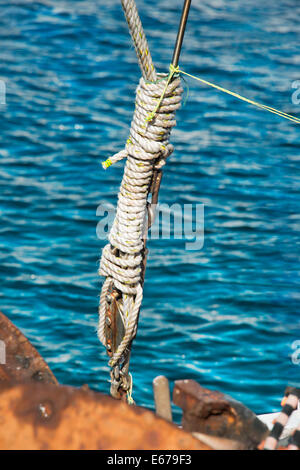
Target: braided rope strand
139,39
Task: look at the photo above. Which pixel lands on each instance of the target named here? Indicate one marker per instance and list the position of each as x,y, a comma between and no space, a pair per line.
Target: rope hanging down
139,40
123,259
147,148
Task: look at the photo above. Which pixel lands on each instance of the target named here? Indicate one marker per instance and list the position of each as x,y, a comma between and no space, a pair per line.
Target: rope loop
146,151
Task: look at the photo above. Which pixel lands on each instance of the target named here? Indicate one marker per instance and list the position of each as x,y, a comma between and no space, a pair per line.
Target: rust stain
213,413
36,415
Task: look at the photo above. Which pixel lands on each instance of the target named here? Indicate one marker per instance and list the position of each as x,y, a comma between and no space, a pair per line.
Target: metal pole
181,30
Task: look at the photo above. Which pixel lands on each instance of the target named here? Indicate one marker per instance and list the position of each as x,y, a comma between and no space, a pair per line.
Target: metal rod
181,31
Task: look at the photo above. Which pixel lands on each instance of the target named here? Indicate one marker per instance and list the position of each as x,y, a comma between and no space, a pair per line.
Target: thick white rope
139,39
146,150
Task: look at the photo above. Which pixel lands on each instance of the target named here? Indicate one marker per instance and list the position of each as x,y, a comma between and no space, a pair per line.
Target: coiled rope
147,148
146,151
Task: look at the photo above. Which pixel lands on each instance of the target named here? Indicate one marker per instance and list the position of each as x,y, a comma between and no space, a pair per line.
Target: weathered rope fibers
146,150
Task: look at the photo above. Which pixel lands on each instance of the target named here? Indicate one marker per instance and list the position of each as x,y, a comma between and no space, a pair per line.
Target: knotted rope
146,151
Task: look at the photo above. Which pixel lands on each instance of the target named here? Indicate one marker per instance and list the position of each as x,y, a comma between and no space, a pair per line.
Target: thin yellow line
290,117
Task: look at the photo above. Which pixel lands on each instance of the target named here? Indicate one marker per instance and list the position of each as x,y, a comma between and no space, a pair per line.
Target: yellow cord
176,70
172,71
236,95
107,163
130,400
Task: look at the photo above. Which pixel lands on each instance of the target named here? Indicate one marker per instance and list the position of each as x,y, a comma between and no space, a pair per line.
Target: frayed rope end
106,164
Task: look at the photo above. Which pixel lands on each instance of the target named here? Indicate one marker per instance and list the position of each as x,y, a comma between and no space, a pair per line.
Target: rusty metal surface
45,416
23,362
213,413
219,443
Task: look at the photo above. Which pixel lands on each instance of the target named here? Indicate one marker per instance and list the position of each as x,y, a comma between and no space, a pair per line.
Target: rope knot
146,150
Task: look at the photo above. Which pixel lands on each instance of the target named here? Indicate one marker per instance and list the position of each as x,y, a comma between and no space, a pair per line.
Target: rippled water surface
226,315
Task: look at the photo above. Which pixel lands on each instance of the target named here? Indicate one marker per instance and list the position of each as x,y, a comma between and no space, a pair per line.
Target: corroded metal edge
21,360
40,416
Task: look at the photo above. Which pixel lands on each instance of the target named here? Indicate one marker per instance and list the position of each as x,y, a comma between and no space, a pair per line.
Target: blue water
226,315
